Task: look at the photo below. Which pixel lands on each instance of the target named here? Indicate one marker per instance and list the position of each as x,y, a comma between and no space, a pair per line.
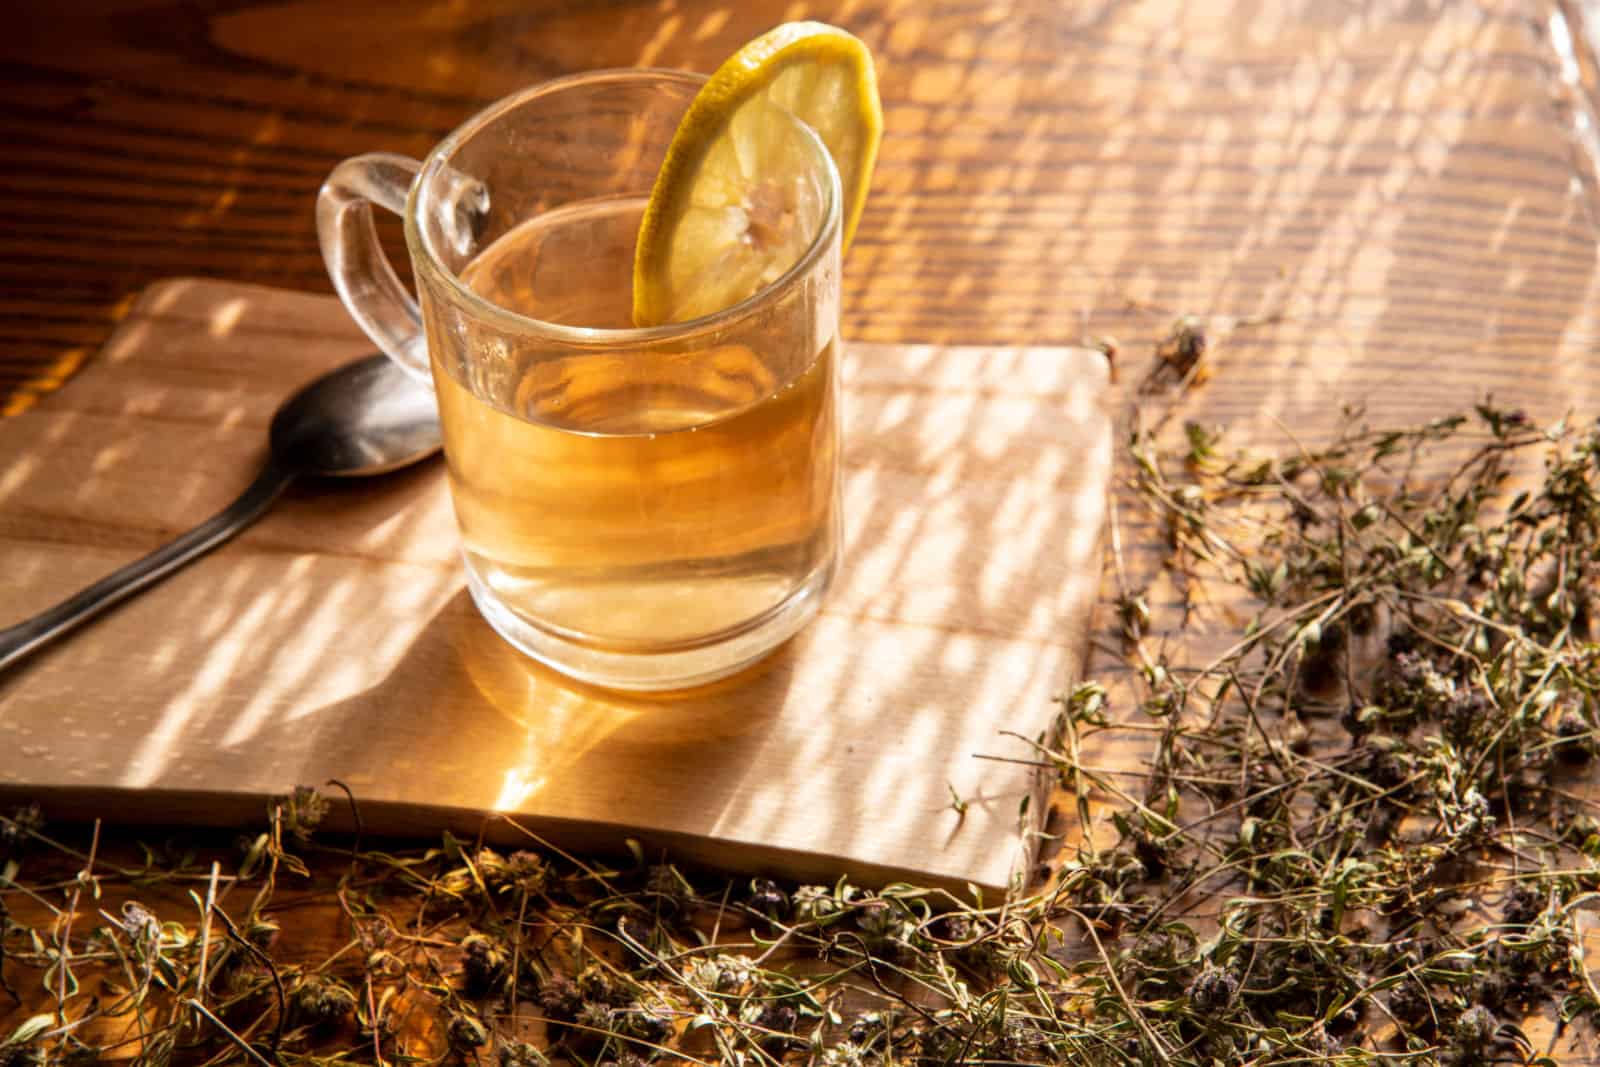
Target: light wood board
335,639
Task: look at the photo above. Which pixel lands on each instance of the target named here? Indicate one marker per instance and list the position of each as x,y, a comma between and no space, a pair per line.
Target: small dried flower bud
527,872
1153,855
594,1016
595,984
1213,989
1474,1029
1184,346
1473,816
953,927
1154,950
1417,685
1322,1043
560,999
706,974
302,811
768,899
491,867
735,972
1348,1018
813,903
880,921
780,1019
483,963
139,923
321,1000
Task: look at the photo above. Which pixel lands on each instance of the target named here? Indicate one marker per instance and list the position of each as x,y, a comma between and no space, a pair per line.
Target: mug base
650,672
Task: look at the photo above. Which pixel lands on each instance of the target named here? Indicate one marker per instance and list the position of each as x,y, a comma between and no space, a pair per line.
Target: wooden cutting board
336,640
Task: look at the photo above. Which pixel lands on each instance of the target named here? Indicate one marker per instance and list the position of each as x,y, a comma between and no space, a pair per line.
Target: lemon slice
730,211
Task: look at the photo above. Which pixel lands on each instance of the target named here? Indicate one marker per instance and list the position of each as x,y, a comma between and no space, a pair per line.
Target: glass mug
640,508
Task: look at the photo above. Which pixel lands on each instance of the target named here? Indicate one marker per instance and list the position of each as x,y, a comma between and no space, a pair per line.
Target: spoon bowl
368,417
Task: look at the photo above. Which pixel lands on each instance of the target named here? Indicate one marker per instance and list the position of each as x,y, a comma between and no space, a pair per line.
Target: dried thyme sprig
1362,833
1393,740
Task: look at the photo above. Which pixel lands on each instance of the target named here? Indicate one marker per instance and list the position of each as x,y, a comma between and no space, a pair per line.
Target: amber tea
628,306
640,499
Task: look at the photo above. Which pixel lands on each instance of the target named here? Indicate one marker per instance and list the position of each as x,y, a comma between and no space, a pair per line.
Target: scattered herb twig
1364,679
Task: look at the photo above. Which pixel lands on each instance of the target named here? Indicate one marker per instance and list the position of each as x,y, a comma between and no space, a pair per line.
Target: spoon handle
19,641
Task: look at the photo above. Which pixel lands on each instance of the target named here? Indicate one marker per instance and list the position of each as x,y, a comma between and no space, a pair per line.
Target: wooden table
1407,187
1402,194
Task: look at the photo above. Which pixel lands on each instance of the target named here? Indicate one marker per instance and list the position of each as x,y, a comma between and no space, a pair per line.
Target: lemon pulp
728,213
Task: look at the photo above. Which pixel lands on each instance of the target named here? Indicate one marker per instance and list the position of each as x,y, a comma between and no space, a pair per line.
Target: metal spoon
367,417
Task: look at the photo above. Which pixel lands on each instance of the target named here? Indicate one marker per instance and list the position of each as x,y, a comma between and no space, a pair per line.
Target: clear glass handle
368,285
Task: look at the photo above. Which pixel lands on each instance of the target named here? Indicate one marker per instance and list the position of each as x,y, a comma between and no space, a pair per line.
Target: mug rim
482,308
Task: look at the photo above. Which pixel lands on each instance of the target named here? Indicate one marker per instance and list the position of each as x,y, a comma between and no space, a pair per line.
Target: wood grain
1403,179
335,640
